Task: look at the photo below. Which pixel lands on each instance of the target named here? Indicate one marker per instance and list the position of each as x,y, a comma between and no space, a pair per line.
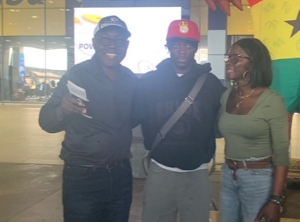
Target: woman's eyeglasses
234,58
107,41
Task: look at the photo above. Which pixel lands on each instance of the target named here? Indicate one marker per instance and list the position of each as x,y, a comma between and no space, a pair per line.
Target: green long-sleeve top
260,133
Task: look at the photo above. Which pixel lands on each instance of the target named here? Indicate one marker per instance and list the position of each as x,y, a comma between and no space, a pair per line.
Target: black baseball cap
111,21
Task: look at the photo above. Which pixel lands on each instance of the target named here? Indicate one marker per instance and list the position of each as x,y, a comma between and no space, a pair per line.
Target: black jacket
191,141
107,136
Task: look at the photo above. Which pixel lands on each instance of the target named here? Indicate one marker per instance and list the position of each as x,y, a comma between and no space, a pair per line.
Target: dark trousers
97,194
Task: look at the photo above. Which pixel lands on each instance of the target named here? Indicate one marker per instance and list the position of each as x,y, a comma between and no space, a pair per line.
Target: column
217,25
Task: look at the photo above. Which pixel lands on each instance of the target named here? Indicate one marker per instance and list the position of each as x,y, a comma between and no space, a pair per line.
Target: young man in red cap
178,179
97,177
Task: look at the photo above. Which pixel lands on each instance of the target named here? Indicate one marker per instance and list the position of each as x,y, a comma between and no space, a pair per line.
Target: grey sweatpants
168,193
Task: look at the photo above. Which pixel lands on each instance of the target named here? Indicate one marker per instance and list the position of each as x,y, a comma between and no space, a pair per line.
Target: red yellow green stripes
286,81
273,26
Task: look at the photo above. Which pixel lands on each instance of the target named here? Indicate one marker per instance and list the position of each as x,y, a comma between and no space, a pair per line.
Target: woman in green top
253,121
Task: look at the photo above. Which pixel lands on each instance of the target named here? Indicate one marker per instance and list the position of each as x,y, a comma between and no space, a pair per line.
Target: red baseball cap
184,29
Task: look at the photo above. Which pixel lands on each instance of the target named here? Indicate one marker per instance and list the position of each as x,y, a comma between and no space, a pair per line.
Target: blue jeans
94,194
242,199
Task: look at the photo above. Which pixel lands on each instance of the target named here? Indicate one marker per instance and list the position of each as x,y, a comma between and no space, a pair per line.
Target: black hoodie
191,141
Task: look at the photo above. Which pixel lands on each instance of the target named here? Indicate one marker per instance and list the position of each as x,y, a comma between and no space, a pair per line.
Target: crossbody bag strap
189,100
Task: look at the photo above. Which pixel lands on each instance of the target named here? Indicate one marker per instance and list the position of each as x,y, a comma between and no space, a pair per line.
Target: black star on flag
295,24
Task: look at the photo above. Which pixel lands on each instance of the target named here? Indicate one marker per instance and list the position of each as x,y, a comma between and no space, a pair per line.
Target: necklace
243,98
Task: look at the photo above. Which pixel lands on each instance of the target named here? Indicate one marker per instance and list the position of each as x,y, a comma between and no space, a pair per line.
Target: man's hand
71,105
270,212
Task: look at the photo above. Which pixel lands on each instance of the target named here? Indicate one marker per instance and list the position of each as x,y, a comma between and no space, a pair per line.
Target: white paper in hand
78,92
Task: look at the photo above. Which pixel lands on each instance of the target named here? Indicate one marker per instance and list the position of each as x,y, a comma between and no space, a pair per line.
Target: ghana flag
277,25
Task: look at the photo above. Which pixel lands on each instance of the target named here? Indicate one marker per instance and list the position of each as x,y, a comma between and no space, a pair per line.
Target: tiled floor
30,170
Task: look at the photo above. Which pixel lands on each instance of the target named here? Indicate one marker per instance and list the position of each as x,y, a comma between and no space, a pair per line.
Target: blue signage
22,72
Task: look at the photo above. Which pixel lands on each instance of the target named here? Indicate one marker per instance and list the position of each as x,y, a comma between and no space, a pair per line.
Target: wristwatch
276,199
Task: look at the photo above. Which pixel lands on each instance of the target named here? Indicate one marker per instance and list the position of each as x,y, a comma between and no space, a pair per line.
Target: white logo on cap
183,27
114,19
110,24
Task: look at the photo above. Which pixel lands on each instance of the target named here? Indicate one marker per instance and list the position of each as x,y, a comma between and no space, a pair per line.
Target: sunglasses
107,41
234,58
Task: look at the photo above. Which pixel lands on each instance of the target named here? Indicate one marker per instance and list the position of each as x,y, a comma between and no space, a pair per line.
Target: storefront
36,47
37,43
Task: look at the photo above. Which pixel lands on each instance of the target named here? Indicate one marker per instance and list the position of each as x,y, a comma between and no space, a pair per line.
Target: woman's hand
270,212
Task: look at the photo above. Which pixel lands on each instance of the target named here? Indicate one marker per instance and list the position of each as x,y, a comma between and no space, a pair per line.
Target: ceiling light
34,16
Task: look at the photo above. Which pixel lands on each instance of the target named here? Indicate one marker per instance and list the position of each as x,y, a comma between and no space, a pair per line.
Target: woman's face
237,63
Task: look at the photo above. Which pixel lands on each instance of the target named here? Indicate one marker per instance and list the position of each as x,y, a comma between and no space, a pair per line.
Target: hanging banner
277,24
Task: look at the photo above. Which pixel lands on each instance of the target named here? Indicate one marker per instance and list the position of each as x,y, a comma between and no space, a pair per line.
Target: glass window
55,22
23,22
57,50
55,3
57,61
24,68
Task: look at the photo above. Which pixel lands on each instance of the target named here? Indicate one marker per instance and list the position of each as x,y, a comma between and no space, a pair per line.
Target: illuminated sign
148,26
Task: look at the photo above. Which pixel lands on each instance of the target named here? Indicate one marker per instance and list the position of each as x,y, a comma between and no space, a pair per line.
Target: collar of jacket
167,66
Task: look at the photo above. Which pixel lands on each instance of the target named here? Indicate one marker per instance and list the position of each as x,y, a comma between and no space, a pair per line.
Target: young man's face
182,52
111,46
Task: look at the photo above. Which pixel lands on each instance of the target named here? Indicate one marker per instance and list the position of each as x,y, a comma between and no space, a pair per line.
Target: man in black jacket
97,177
178,179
